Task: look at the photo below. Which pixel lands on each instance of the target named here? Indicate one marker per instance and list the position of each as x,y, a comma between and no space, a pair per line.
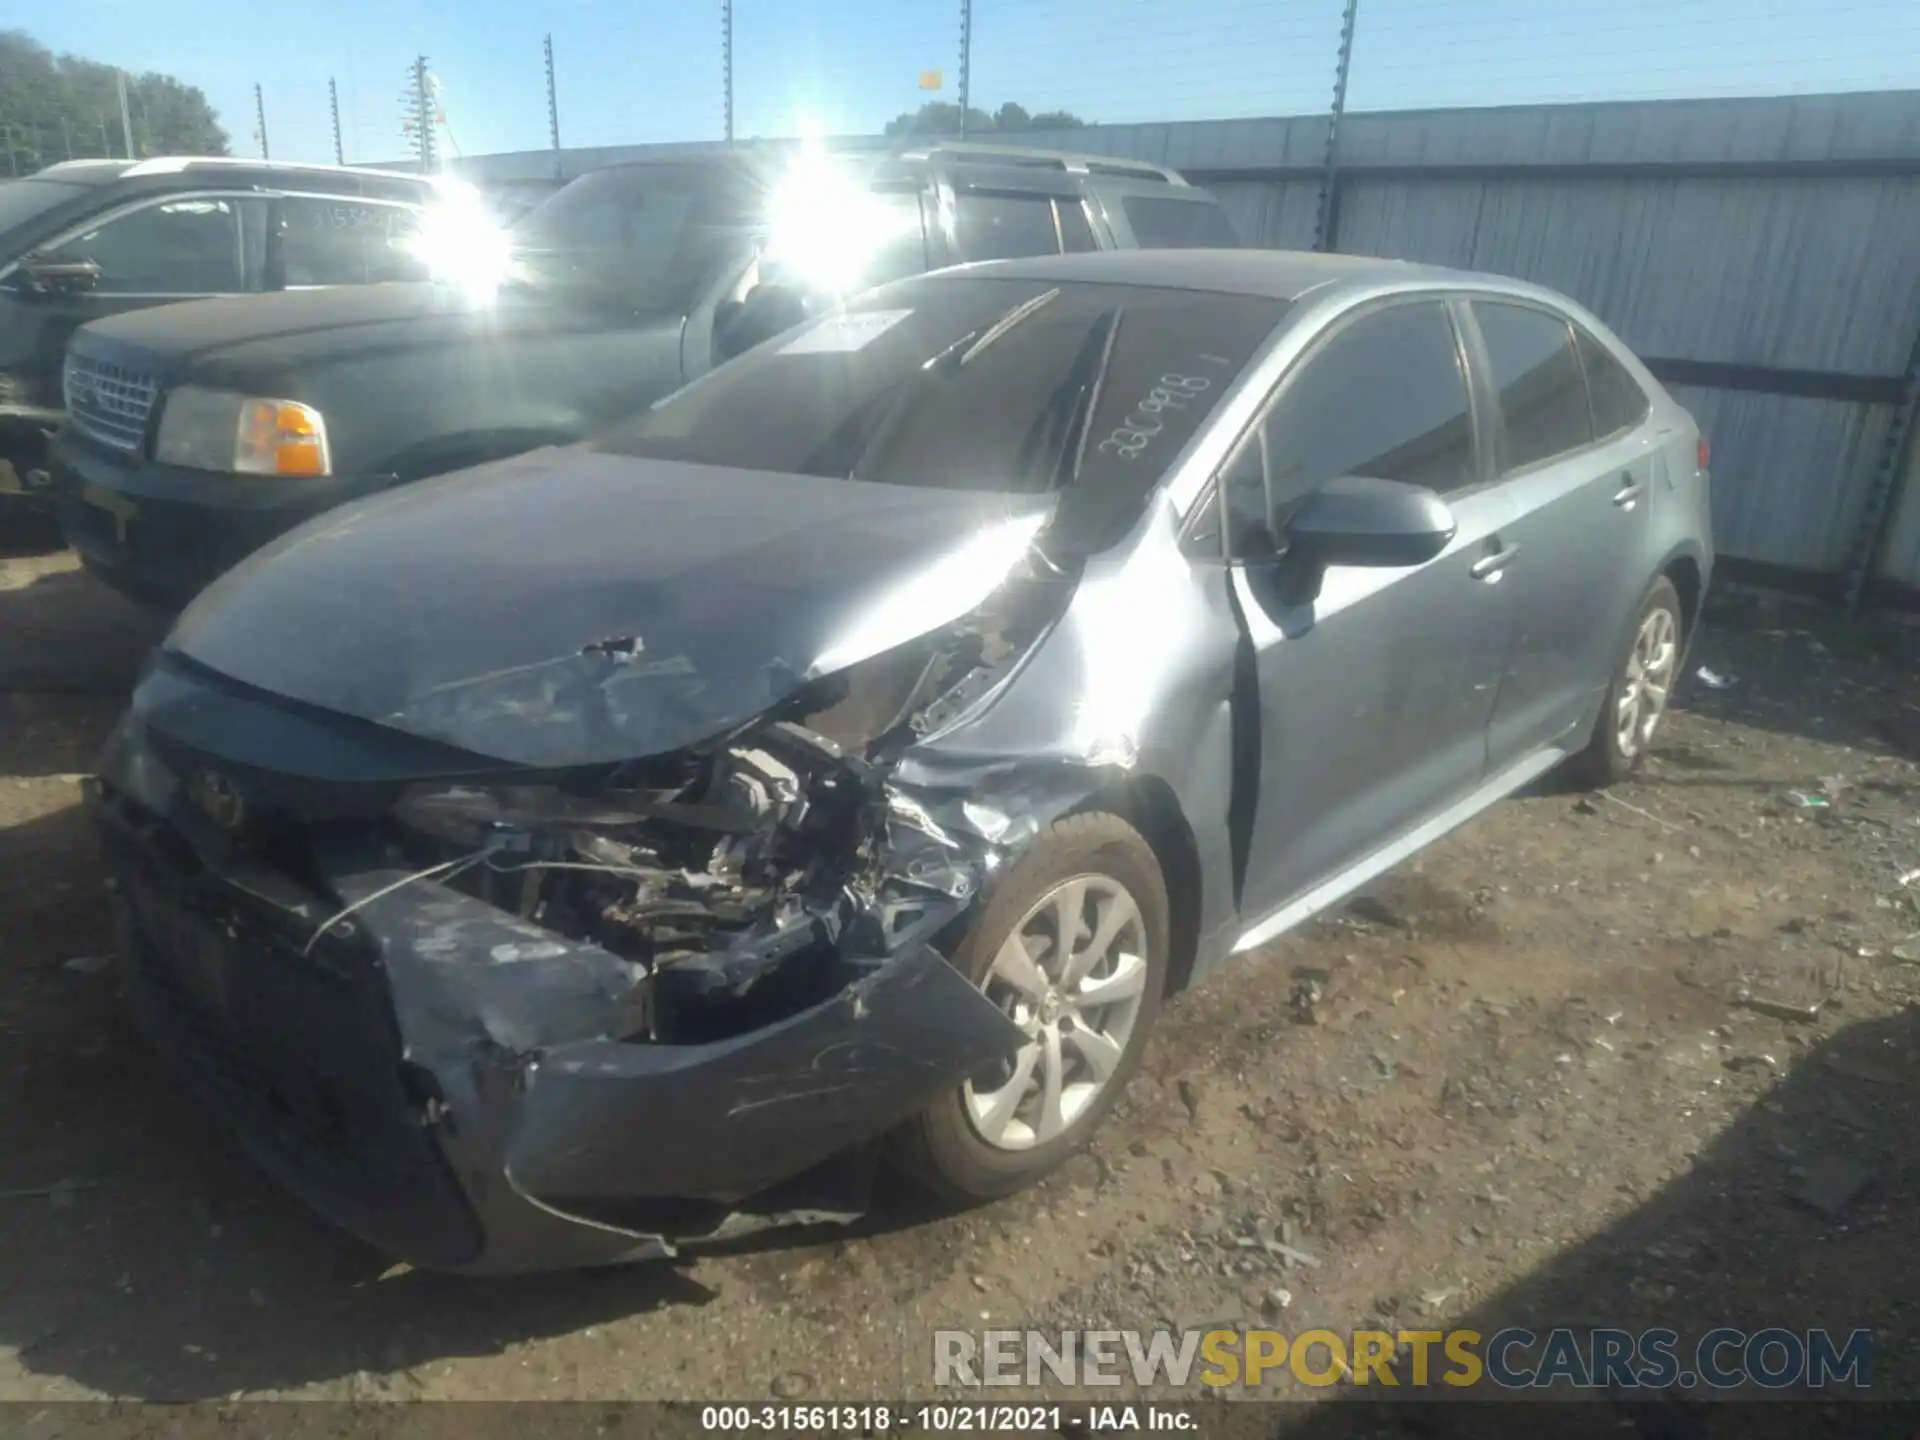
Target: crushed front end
491,1018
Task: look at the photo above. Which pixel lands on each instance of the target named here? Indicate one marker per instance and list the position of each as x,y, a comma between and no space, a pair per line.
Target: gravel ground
1644,1058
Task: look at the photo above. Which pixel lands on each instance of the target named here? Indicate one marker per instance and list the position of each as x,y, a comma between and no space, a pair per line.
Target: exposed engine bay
758,872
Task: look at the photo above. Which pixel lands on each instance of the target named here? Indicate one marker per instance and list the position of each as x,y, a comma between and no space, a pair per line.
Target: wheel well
1685,575
1147,803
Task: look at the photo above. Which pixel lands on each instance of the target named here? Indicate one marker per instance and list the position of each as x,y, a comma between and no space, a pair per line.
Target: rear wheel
1073,948
1643,681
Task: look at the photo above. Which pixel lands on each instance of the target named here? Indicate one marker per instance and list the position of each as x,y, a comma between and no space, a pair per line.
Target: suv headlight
246,434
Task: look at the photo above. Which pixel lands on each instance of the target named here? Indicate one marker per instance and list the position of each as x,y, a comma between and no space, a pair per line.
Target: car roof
1269,274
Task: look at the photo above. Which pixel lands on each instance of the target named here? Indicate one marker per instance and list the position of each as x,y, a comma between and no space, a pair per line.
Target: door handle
1629,492
1488,567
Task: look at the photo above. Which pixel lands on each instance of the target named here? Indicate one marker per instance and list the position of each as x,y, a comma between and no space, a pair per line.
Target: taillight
1703,455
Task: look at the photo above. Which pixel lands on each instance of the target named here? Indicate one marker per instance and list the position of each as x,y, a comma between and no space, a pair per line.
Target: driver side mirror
59,277
1359,520
1352,520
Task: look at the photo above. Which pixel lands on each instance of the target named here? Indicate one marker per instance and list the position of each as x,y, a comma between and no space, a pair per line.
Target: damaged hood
574,607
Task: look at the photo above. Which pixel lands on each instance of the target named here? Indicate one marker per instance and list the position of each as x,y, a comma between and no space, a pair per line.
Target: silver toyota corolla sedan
626,845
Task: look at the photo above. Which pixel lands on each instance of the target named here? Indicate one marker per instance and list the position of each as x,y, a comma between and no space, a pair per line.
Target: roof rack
1072,163
94,164
175,164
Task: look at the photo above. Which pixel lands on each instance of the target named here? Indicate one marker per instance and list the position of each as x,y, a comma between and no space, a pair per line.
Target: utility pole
126,119
260,120
333,104
966,61
423,115
553,110
1326,227
726,63
66,136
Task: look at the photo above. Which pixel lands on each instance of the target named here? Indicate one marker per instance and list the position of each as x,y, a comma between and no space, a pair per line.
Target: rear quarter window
1618,401
1161,223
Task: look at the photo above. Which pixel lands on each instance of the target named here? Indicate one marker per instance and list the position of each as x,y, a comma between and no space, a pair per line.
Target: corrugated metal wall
1807,259
1900,561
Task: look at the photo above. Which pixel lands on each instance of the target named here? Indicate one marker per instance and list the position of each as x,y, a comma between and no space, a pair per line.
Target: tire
1609,758
945,1147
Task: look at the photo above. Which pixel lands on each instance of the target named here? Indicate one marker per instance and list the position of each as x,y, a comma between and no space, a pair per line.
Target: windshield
645,235
21,200
975,383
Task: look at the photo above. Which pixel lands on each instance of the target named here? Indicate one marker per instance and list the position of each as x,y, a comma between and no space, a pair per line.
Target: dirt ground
1523,1080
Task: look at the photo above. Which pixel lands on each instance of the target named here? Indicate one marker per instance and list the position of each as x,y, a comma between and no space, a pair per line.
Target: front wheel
1643,681
1073,949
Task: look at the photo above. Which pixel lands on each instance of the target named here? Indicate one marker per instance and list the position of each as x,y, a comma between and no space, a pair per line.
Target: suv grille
109,403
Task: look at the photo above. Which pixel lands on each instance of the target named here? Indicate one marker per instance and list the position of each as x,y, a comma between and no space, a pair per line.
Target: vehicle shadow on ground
64,632
25,533
54,735
1817,1178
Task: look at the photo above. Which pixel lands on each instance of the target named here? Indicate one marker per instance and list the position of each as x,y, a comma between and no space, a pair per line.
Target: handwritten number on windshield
1147,419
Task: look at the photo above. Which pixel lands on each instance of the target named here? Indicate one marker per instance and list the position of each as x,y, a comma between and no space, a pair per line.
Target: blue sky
630,74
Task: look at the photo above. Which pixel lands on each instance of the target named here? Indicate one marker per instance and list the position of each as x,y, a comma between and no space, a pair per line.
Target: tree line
939,117
66,107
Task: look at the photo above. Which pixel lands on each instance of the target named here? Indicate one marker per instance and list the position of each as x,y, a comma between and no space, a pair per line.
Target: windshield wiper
1066,420
1006,322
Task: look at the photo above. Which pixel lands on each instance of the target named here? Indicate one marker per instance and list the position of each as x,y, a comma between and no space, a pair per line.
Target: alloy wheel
1072,975
1648,681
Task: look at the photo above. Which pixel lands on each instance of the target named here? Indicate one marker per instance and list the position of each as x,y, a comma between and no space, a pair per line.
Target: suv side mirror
1359,520
59,277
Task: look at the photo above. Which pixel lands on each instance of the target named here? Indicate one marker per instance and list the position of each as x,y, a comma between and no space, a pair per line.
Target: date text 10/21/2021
958,1419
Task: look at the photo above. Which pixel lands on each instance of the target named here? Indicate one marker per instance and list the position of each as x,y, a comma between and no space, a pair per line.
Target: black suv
200,432
87,239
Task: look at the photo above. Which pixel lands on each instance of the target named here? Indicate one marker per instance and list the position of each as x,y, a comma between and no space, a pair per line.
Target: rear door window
189,246
1004,227
1618,401
1536,374
1161,223
1076,234
328,240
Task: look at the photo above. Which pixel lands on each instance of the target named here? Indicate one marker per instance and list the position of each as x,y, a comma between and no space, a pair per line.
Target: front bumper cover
437,1076
161,533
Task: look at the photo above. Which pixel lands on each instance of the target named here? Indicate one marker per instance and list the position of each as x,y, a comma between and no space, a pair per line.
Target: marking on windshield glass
844,334
1172,394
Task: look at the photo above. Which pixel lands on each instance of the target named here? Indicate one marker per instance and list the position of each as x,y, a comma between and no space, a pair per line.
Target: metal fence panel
1789,475
1793,273
1900,560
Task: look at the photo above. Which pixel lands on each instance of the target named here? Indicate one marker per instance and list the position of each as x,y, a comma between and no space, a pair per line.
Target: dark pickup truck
202,431
87,239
